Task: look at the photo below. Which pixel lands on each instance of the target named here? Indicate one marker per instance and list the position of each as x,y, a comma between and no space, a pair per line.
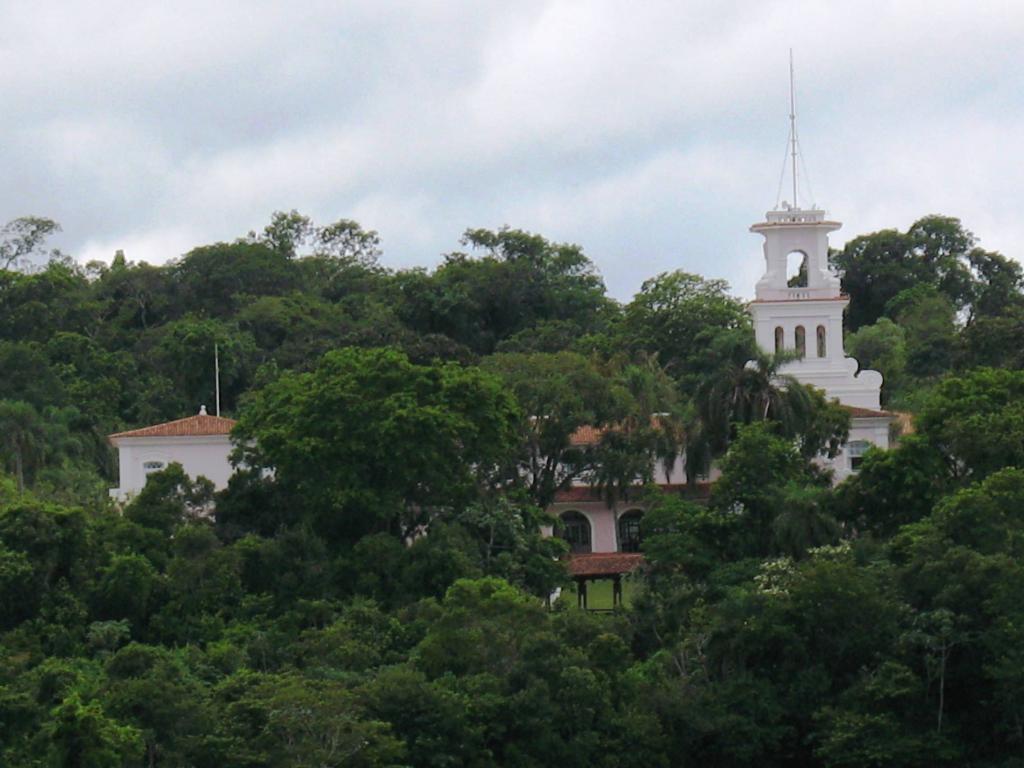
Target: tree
170,498
881,347
344,240
522,280
184,353
23,433
214,279
23,238
82,736
759,391
755,474
976,421
370,442
482,627
690,323
928,319
150,688
998,284
959,568
804,522
992,341
893,488
293,721
875,268
558,394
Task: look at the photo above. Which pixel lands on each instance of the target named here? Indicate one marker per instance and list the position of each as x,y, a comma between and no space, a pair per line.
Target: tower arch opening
800,340
822,341
796,269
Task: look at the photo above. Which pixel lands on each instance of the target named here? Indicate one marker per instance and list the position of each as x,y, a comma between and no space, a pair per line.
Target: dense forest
372,588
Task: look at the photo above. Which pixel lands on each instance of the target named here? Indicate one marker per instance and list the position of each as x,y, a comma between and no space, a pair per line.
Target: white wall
870,430
205,456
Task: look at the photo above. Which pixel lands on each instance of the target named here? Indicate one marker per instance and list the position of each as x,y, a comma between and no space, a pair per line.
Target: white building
200,443
808,317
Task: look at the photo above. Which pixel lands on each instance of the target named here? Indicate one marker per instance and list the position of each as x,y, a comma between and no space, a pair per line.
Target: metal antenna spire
792,125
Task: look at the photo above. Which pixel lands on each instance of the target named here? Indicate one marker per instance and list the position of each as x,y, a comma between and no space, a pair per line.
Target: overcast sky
651,133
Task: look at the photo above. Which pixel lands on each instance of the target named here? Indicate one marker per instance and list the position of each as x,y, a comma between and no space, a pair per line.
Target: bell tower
804,313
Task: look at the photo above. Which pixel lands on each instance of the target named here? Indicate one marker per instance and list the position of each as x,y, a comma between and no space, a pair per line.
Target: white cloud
651,134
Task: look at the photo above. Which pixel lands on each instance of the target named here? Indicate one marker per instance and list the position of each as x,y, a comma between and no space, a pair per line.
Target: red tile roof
586,435
604,563
868,413
591,435
581,493
194,426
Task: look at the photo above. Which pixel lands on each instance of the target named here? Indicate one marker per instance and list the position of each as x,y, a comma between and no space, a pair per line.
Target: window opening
576,531
629,531
856,450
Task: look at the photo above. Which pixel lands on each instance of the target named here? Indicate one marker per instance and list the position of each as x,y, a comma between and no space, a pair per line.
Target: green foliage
384,440
881,347
558,394
758,485
82,736
893,488
690,323
977,421
521,281
372,587
932,253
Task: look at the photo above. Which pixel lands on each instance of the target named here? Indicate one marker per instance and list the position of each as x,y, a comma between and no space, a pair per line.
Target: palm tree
654,414
743,393
647,433
803,523
22,434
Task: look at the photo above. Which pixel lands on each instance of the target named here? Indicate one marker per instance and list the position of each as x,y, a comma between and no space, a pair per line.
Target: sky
652,134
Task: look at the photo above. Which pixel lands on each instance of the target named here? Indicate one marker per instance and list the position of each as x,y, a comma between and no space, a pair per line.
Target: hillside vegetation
301,618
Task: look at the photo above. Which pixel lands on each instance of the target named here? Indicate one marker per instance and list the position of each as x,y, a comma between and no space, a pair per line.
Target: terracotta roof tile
586,435
194,426
868,413
604,563
582,493
591,435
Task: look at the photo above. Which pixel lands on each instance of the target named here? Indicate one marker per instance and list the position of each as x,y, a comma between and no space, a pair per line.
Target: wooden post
617,591
581,593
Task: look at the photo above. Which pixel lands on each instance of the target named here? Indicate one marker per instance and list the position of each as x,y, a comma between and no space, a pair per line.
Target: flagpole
216,374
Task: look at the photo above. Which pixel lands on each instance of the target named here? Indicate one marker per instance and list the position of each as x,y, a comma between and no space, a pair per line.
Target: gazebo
590,566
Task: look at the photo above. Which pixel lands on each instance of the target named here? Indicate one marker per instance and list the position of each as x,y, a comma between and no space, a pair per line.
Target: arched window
800,337
629,531
822,349
780,338
152,466
796,269
576,531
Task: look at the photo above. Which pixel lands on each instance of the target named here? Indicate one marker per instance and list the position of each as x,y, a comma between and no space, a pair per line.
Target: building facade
200,443
798,306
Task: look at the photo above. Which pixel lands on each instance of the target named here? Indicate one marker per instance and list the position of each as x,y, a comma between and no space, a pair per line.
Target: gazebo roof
596,564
